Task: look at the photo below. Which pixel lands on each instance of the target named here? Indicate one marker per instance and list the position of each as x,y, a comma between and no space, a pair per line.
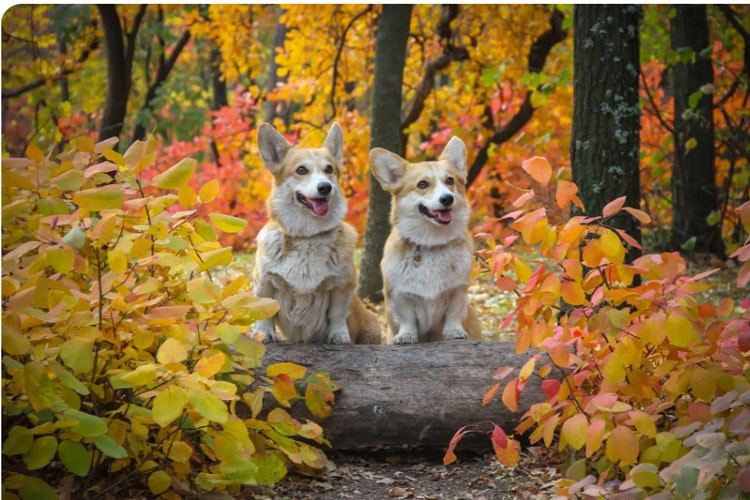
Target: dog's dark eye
329,169
423,184
449,181
302,170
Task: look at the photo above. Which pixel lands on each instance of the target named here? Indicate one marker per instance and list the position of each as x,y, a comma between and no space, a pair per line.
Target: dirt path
419,477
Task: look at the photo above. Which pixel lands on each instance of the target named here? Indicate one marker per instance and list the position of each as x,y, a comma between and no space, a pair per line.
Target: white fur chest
305,265
428,271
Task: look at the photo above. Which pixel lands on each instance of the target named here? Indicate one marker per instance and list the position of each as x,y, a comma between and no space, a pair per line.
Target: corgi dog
305,256
428,255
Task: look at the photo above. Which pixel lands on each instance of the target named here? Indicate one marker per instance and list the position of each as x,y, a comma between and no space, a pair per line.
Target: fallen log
410,396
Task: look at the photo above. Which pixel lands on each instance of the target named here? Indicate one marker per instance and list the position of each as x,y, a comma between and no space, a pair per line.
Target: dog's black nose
324,187
446,199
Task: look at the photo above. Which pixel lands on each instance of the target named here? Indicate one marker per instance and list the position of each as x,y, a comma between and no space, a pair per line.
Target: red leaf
629,239
506,283
551,388
743,341
490,394
521,200
613,207
450,456
499,438
538,168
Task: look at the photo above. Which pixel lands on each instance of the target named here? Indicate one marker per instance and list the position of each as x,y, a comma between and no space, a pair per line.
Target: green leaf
74,457
689,244
208,405
176,176
227,223
19,440
205,230
41,453
68,379
33,488
271,469
168,405
203,291
695,98
85,424
61,258
220,257
713,218
78,355
109,447
687,480
75,238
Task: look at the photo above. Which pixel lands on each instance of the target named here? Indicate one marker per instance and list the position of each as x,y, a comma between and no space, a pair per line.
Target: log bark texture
410,396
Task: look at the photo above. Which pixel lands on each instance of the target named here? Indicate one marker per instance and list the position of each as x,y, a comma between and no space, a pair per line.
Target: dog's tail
364,327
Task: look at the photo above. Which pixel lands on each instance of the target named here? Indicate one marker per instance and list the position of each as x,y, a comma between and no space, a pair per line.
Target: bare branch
336,59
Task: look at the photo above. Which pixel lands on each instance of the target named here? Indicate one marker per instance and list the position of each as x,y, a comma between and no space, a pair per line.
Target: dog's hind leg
338,311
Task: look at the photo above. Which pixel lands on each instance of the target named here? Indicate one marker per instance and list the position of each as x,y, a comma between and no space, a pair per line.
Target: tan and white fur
305,256
428,255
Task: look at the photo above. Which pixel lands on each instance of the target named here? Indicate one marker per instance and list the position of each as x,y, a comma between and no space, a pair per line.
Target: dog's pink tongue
443,215
319,206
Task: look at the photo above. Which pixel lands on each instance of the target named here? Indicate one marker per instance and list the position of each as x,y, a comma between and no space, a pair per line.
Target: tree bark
385,132
694,192
118,74
411,396
606,113
276,109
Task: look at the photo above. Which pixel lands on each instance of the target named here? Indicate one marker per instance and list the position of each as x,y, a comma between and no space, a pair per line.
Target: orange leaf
283,389
538,168
642,216
560,354
572,293
502,373
511,395
565,193
450,456
594,437
521,200
622,446
613,207
490,394
509,455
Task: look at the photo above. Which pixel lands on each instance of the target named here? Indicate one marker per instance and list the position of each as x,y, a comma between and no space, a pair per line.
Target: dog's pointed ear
335,141
455,152
388,168
273,147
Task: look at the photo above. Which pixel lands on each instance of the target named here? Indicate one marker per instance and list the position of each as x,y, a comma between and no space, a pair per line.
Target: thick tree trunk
606,112
118,74
410,395
694,192
276,109
385,132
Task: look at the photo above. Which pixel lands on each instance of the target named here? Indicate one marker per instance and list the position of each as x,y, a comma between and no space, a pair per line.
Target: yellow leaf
643,423
168,405
294,371
99,198
15,343
114,157
654,329
186,196
176,176
594,437
227,223
574,430
171,351
34,153
180,451
208,367
209,406
611,247
283,389
142,375
85,144
220,257
209,191
523,271
622,446
527,369
680,330
118,262
159,482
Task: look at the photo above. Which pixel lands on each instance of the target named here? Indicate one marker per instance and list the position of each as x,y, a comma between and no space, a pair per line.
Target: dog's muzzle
444,216
318,206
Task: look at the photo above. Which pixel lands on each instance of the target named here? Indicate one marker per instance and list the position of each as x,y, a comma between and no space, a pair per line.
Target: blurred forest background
202,78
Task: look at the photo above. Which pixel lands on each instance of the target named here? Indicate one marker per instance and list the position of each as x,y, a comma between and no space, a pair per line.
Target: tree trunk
694,192
276,109
385,132
414,395
606,112
118,74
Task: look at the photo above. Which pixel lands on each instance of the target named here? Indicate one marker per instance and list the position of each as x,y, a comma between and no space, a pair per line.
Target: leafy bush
649,386
124,360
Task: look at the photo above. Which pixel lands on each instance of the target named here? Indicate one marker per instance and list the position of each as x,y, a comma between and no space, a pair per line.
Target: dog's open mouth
440,216
318,206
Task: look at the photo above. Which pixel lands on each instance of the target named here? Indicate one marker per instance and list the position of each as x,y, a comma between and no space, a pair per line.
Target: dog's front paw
405,338
264,337
338,337
455,334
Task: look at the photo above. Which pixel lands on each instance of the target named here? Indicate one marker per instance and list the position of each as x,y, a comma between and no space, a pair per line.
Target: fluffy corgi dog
305,257
428,255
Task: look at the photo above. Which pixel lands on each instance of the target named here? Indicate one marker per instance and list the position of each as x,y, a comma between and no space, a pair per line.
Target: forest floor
472,477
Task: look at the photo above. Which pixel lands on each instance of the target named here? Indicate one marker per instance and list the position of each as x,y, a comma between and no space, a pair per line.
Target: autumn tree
694,195
385,132
606,112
